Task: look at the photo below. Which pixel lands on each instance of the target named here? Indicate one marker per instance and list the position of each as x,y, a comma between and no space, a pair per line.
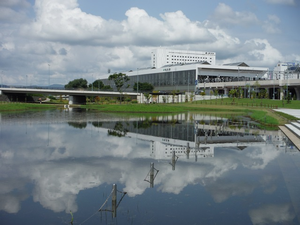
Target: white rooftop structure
162,57
286,70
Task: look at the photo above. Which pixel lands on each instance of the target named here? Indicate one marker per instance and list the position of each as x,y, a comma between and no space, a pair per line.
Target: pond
85,167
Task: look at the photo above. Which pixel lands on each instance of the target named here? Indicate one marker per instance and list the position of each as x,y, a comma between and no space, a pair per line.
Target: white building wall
281,71
161,57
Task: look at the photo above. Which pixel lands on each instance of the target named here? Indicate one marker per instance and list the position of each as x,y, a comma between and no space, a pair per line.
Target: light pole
49,75
92,82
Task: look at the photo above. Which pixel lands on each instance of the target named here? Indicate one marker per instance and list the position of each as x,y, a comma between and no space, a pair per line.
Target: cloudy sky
55,41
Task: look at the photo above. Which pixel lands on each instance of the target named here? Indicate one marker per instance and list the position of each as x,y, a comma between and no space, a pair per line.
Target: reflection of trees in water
118,131
80,125
97,124
144,124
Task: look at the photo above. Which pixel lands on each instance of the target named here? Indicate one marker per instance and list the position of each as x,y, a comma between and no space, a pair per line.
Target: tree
99,85
147,96
143,87
233,93
202,93
120,80
77,83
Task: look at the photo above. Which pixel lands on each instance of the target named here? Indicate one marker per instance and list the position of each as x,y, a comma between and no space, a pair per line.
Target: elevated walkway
292,131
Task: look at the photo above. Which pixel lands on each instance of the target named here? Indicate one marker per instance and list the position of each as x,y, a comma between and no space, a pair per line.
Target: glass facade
170,78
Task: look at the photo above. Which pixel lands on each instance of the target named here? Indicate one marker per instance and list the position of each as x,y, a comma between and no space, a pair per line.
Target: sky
46,42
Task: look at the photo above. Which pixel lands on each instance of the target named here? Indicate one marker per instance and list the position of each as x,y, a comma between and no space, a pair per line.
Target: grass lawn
10,107
259,110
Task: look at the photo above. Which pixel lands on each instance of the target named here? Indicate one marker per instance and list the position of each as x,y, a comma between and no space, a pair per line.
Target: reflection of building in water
161,150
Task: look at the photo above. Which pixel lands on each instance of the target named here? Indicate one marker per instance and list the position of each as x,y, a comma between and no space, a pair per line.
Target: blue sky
69,39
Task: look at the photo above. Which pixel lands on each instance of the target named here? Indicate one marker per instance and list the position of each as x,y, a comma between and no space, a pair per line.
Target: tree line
120,81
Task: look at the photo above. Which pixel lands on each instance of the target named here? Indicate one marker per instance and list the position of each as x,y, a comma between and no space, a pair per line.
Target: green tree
147,96
77,83
232,93
202,93
99,85
120,80
143,87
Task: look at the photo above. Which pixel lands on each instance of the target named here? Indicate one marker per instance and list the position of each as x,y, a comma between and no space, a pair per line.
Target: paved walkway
292,112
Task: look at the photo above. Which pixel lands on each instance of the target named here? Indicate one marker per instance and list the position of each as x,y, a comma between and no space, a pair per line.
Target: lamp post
92,82
48,75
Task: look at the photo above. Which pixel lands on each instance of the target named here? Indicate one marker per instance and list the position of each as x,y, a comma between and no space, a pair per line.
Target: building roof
236,64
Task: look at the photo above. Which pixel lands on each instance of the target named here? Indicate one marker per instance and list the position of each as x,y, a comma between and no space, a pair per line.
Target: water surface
206,170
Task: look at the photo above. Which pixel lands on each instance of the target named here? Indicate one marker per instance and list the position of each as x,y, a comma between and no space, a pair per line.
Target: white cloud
271,25
282,2
226,16
92,45
263,51
14,3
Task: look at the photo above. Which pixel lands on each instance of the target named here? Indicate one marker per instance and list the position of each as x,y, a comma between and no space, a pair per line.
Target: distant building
286,70
163,57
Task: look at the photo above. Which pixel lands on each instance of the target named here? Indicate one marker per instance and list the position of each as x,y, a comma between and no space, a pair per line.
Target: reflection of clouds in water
267,214
11,202
267,182
259,158
77,159
226,188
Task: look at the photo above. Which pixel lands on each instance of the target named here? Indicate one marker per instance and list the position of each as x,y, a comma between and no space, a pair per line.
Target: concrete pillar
114,201
151,175
281,93
77,99
188,150
225,91
297,90
173,160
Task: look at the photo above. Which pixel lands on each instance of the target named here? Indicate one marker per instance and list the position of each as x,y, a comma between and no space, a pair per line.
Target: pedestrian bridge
75,96
274,86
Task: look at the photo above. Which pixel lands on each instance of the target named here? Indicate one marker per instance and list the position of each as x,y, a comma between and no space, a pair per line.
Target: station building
184,70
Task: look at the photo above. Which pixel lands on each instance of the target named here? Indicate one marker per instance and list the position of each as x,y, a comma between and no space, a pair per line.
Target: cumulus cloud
271,25
13,11
263,51
77,44
226,16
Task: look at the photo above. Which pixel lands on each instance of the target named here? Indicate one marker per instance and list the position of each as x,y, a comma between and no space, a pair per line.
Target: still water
62,167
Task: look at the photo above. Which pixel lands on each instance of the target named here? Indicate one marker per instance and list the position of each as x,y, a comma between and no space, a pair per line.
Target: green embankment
259,110
11,107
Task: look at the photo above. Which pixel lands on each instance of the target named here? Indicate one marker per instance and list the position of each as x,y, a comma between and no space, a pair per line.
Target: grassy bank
11,107
257,109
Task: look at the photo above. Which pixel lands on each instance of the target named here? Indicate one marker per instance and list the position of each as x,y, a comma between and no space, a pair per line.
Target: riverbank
260,110
17,106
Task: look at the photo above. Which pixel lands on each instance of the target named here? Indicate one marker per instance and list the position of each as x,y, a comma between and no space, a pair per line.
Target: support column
114,201
297,90
226,91
281,93
152,175
77,99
